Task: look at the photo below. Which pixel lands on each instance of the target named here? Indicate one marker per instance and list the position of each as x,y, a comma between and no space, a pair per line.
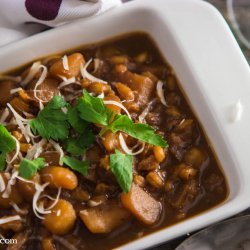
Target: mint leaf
7,145
51,122
139,131
93,109
121,167
28,168
79,166
75,121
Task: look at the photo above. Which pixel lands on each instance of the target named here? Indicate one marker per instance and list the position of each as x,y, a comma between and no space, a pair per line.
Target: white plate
197,42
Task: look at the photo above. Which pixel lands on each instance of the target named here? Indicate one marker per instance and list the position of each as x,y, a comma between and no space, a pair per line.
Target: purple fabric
43,9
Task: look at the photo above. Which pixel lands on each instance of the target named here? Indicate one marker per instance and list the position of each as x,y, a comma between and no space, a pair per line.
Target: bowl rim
167,14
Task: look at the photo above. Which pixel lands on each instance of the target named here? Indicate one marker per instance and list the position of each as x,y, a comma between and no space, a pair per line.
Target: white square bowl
196,41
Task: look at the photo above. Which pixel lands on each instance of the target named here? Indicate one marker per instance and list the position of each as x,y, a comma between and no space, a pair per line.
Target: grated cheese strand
5,115
65,62
2,184
59,150
18,209
160,93
126,149
118,105
13,91
86,74
17,150
11,78
8,219
34,69
144,113
10,183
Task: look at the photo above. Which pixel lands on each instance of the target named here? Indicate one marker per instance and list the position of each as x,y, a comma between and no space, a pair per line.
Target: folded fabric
22,18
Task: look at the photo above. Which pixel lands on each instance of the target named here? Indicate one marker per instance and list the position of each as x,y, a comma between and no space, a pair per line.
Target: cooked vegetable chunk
142,205
104,218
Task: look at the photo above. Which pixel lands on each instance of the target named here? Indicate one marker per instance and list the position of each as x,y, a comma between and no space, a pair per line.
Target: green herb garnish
51,122
7,145
93,109
29,168
121,167
75,164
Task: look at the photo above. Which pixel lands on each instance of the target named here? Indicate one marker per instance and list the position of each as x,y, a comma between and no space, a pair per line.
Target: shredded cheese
18,209
126,149
144,113
2,184
13,91
55,199
17,150
160,92
11,78
34,69
36,149
59,150
8,219
20,122
86,74
10,183
36,208
5,115
65,62
101,96
109,102
67,81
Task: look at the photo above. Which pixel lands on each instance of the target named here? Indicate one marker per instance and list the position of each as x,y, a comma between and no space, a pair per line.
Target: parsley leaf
79,166
78,124
93,109
139,131
121,167
28,168
7,145
51,122
77,146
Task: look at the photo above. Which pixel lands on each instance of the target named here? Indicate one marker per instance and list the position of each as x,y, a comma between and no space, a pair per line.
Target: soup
99,147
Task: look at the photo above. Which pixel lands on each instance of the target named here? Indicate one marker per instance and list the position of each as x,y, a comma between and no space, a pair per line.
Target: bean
59,177
159,153
24,147
124,91
74,61
98,88
19,136
47,244
139,180
122,59
142,57
120,68
155,180
195,157
110,141
61,219
187,173
148,164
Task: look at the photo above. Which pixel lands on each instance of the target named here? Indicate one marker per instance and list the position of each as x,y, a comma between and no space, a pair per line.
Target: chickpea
121,59
120,68
101,188
59,177
142,57
195,157
24,147
139,180
14,196
98,88
47,244
155,180
187,173
74,61
110,141
19,136
159,153
80,194
61,219
125,92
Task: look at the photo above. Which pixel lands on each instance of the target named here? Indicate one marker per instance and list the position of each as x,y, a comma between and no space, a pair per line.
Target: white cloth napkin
22,18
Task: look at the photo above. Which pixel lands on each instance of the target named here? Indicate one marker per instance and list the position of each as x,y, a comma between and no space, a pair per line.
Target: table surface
242,12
